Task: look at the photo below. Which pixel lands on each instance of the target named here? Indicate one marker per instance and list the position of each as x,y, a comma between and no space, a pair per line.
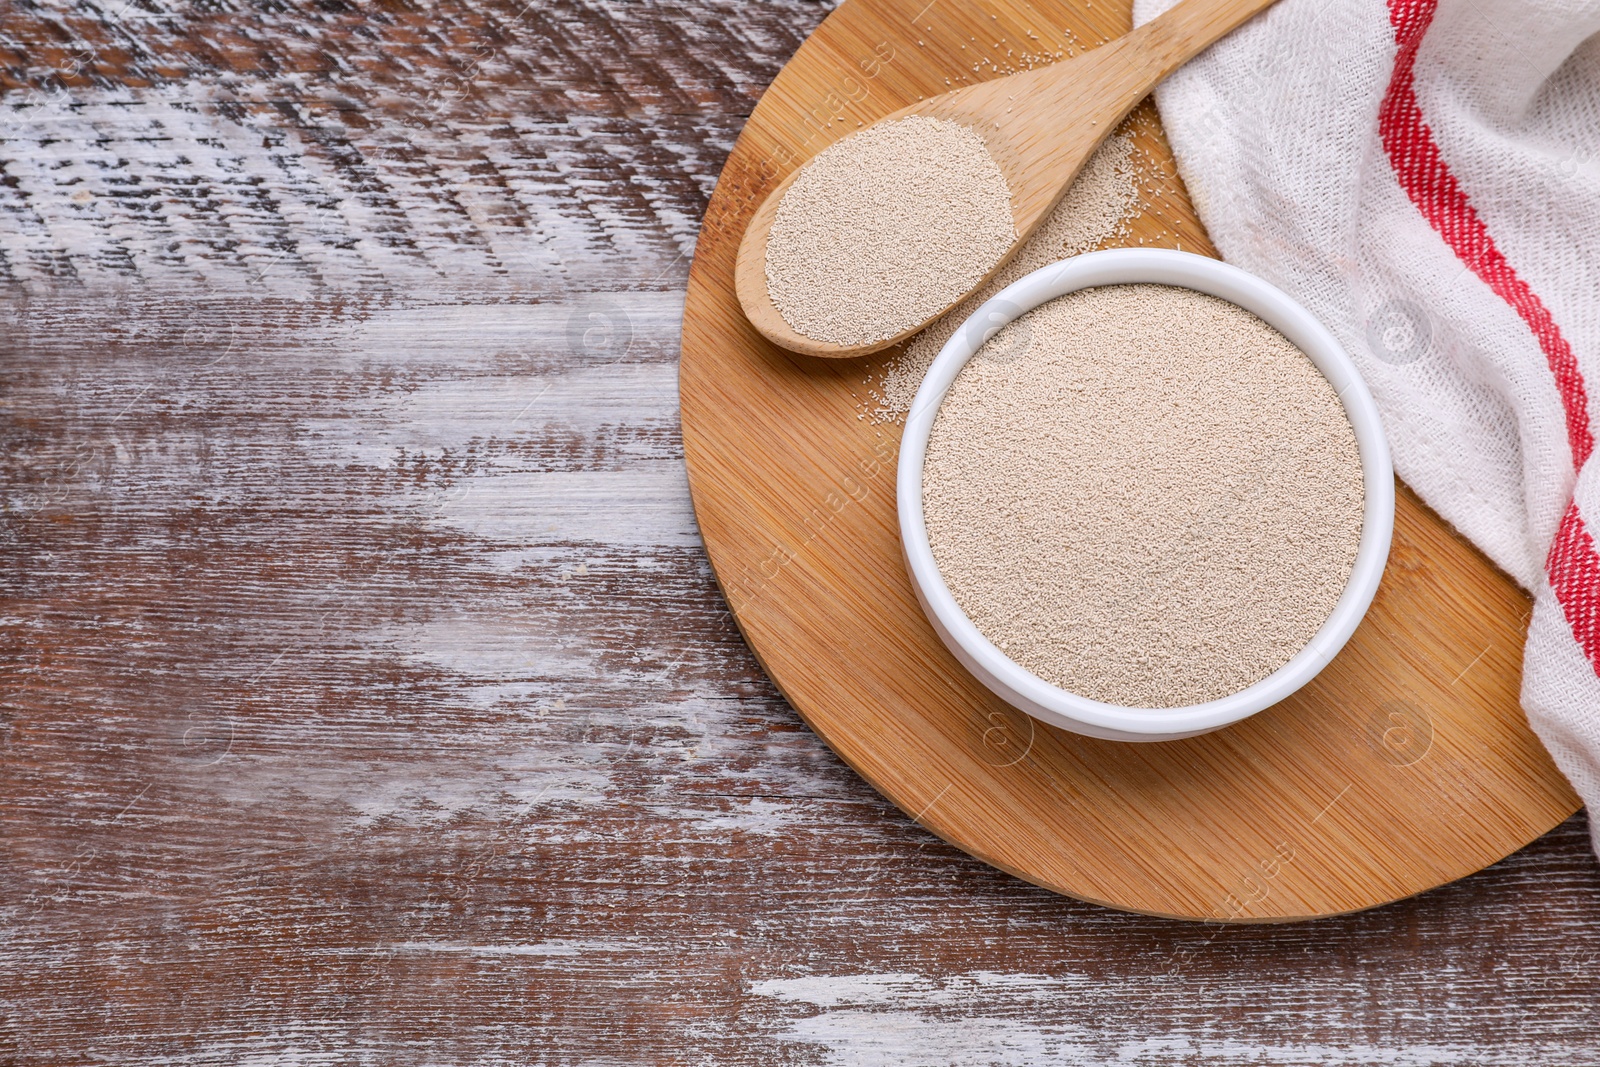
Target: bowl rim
1015,683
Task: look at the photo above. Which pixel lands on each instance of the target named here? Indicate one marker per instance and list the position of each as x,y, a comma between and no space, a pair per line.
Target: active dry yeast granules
1144,495
887,228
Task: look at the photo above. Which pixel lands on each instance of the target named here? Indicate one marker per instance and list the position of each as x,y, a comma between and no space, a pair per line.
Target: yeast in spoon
887,228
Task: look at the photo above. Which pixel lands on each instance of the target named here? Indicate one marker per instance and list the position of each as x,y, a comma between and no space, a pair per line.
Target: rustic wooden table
368,697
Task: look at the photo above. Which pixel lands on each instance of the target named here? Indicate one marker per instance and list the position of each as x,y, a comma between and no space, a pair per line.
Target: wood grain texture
367,697
1405,764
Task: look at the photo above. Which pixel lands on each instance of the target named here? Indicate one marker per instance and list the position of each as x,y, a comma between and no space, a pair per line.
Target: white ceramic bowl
1050,703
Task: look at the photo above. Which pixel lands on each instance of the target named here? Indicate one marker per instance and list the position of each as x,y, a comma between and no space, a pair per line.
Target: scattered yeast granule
1144,495
886,228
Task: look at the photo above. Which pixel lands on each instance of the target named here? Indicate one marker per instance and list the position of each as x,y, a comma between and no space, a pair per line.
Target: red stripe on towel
1573,566
1574,571
1422,172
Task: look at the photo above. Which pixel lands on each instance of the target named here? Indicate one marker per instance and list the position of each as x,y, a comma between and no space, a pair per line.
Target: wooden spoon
1040,125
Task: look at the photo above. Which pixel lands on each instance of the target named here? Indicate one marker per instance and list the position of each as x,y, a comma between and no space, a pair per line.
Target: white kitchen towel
1424,175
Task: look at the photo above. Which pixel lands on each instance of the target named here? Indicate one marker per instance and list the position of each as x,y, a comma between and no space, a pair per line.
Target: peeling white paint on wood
996,1018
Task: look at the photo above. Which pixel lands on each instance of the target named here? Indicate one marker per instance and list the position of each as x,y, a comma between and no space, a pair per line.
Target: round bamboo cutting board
1405,765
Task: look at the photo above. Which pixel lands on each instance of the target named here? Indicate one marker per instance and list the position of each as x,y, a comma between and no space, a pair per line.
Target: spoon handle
1101,85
